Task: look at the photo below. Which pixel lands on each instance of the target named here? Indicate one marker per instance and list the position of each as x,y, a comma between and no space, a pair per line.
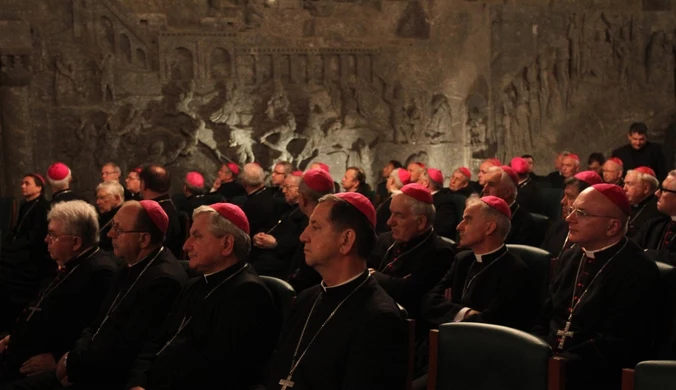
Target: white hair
59,185
502,224
221,227
79,218
395,176
650,180
112,188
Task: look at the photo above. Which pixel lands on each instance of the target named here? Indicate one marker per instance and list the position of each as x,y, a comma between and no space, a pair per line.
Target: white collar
512,204
434,192
673,218
352,279
592,254
479,258
394,192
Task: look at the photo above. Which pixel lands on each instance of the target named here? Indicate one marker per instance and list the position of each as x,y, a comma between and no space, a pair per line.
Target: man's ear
228,245
347,239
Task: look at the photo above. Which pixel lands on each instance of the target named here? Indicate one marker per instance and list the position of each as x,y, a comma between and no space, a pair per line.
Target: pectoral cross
33,309
286,383
564,333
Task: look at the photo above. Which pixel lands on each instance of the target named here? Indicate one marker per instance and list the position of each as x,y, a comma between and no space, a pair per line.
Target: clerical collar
415,241
151,255
523,183
217,277
512,205
59,193
346,284
434,192
490,256
644,201
592,254
72,263
257,192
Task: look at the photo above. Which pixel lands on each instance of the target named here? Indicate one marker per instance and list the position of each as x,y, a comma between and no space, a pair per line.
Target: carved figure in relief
229,112
562,76
600,54
321,113
656,58
64,79
575,41
352,115
441,119
110,136
533,87
395,97
107,73
243,140
287,133
521,124
413,119
278,105
157,153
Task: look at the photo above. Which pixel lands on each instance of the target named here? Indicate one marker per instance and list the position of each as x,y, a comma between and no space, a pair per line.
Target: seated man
460,182
487,283
59,178
590,317
502,182
51,324
227,184
556,239
409,260
658,236
346,333
136,305
277,246
194,194
132,184
640,185
314,184
224,326
613,171
446,214
398,178
529,196
109,199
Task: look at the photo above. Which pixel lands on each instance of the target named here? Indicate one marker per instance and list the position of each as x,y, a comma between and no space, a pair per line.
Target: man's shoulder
166,266
619,151
102,260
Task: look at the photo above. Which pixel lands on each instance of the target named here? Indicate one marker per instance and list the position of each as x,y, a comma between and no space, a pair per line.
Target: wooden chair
517,360
410,327
650,375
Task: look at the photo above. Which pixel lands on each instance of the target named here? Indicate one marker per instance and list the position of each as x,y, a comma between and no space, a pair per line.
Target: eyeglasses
107,173
289,186
115,229
278,173
662,189
583,214
55,237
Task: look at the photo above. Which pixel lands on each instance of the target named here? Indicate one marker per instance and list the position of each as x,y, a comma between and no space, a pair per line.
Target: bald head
483,169
252,176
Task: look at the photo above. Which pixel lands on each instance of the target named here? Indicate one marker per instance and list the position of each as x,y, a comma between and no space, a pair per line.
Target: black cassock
641,214
501,287
231,190
658,238
446,218
302,276
613,323
190,203
555,238
175,236
523,231
105,224
383,215
278,261
408,270
65,196
24,260
363,346
650,155
54,320
529,197
231,330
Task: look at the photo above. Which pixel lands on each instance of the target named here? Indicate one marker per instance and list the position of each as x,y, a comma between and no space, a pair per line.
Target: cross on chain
33,309
286,383
564,334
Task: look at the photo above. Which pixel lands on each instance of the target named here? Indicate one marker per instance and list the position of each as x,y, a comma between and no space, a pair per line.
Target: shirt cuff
461,314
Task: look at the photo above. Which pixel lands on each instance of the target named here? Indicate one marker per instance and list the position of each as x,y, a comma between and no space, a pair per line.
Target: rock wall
192,83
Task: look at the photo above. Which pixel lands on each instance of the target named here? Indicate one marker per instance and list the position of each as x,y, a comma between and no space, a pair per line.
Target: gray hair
116,168
650,180
112,188
79,218
288,168
221,227
252,175
435,184
502,224
505,179
395,175
420,208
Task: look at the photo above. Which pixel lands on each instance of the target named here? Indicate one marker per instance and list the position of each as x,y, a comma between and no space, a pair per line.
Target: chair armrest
557,373
627,379
434,355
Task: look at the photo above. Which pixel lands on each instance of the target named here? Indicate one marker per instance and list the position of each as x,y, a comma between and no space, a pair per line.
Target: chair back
410,327
552,201
541,226
459,203
283,294
538,260
448,241
464,351
655,374
665,335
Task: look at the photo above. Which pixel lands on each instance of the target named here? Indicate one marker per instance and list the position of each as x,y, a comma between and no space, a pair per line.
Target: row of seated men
347,332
